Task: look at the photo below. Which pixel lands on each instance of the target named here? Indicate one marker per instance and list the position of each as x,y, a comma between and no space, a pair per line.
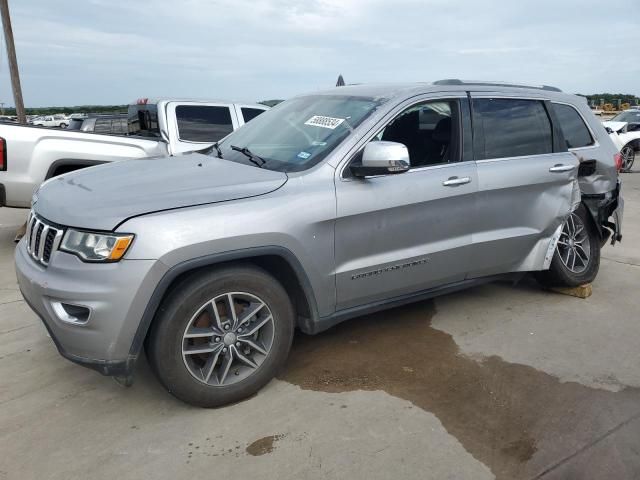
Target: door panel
521,200
519,203
399,234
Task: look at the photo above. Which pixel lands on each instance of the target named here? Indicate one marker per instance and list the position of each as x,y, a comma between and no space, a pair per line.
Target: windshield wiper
208,150
253,158
217,147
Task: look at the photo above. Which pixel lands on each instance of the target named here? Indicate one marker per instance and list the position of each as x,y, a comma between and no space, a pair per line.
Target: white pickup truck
31,155
59,121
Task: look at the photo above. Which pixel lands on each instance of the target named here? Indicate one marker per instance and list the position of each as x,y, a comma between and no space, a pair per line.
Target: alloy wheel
228,338
628,156
574,246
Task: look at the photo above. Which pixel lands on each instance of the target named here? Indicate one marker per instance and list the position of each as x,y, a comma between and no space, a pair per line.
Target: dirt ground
498,381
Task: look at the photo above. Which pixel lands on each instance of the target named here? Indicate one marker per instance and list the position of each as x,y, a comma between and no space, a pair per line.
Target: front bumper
115,296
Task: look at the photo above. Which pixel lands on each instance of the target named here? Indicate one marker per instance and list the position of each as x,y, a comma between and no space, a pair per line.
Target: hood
615,126
102,197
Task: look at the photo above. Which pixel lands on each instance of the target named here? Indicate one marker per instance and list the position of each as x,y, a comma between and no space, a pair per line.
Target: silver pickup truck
161,127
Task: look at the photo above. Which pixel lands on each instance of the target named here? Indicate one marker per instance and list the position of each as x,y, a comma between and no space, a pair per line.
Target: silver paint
448,222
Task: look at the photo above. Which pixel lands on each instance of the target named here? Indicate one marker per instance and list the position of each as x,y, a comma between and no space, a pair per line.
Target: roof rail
456,81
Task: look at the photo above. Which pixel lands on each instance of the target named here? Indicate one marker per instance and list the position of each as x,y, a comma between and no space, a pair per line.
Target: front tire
221,335
577,257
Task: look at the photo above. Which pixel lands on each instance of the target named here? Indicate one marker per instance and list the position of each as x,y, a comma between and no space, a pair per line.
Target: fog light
69,313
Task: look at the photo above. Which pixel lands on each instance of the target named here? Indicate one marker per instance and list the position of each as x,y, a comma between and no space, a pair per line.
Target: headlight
96,247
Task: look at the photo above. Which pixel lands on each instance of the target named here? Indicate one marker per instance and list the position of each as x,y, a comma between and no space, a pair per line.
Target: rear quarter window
197,123
506,127
575,132
250,113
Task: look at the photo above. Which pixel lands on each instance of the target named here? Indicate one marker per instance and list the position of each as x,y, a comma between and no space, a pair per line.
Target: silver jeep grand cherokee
329,206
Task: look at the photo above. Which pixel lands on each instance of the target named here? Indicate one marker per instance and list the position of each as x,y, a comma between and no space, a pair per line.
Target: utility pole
13,62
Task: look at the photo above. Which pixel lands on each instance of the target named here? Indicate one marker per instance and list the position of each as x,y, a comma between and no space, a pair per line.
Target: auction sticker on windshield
324,122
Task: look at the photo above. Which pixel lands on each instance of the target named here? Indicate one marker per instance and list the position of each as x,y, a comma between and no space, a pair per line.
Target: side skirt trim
324,323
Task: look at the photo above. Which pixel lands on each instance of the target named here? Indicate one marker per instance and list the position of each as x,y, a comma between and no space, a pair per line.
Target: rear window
250,113
198,123
511,128
575,132
142,120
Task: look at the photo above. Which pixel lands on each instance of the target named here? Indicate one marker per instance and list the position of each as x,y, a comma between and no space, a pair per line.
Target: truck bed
34,154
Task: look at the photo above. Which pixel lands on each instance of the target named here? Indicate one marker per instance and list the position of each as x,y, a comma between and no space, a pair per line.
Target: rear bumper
607,211
14,192
617,220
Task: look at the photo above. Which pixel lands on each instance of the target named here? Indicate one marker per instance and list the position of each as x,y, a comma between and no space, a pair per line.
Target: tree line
612,98
92,109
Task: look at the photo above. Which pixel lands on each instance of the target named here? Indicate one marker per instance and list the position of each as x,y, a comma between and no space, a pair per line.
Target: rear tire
195,317
577,257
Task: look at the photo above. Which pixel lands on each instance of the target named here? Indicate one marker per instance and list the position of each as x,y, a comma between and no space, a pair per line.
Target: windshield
631,116
298,133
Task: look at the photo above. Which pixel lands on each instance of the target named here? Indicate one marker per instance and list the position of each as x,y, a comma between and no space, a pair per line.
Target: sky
76,52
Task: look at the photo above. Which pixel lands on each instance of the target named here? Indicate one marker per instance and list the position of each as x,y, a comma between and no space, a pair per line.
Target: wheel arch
277,261
66,165
635,144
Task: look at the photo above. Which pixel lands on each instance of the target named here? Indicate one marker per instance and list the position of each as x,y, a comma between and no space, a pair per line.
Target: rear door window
250,113
506,127
573,127
197,123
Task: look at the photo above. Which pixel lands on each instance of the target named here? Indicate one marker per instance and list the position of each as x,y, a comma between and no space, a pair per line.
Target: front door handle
561,168
455,181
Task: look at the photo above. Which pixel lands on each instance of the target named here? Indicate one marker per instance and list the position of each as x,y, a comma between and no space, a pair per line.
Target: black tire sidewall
164,346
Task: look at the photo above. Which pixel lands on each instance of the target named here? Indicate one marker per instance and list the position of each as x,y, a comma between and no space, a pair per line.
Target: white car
624,130
59,120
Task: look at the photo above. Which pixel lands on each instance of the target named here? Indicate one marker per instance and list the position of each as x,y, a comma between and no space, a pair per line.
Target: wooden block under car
583,291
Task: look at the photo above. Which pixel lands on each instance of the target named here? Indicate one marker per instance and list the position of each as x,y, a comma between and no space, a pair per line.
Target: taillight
3,154
617,158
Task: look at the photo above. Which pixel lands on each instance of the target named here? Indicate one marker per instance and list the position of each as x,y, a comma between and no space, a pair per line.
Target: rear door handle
455,181
561,168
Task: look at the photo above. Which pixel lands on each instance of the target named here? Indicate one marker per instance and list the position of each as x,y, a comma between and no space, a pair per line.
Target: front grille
42,239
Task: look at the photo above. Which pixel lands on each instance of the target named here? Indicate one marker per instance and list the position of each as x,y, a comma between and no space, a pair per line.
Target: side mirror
382,158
